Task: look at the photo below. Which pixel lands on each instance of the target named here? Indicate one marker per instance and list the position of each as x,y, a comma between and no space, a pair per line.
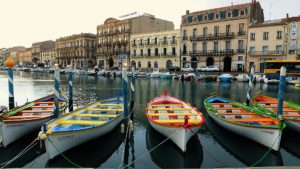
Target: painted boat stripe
80,122
173,114
94,115
155,109
104,110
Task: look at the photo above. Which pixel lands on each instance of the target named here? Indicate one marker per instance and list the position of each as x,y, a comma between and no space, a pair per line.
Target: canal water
212,146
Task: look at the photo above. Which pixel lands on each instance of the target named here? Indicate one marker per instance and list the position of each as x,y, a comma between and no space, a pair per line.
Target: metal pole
125,90
11,99
56,91
132,84
249,94
70,79
281,92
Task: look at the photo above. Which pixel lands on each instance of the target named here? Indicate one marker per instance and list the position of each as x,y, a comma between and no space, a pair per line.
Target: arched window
139,64
149,64
169,64
155,64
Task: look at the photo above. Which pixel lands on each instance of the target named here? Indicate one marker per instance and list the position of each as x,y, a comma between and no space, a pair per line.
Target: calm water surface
211,147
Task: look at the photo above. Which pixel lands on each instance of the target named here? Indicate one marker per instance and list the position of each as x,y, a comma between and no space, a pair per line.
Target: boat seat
51,106
48,102
157,109
251,120
36,111
291,115
106,104
227,108
178,121
79,122
237,113
172,114
24,117
94,115
103,110
163,105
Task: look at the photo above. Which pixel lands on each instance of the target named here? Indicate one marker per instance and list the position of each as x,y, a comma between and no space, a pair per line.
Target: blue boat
227,78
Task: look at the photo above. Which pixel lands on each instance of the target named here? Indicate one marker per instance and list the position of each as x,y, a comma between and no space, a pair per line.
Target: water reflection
291,142
243,149
167,155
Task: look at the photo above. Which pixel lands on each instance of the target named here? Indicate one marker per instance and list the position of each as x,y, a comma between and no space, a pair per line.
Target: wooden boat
245,121
174,118
291,111
82,125
22,120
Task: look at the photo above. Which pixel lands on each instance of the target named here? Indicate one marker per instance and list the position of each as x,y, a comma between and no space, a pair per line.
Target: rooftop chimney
187,12
287,15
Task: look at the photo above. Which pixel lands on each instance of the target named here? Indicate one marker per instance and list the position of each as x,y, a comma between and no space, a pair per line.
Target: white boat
91,72
271,79
101,72
242,78
245,121
140,75
174,118
293,80
225,78
25,119
166,75
82,125
258,78
155,73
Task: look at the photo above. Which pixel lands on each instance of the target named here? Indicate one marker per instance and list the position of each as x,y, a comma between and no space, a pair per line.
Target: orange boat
290,113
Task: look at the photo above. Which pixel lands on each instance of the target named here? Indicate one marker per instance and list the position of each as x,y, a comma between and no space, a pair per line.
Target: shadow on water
291,142
241,148
168,155
91,154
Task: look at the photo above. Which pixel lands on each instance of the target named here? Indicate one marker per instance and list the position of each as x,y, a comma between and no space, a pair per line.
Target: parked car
174,68
208,68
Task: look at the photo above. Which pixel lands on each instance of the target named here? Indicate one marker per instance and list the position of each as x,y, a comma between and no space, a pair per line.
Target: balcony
184,38
226,52
173,42
240,51
217,36
134,45
168,54
241,33
263,53
164,42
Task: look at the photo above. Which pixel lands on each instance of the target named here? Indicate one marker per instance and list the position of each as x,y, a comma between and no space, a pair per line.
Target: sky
23,22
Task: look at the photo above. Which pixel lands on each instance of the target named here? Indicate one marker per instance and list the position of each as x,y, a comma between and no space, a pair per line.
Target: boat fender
43,137
40,133
49,131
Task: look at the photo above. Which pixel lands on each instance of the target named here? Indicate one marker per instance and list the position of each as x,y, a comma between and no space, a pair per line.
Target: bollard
56,90
125,90
249,94
11,100
281,92
70,79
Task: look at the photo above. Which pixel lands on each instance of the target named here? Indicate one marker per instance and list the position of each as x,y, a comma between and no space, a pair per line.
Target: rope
26,149
269,150
66,158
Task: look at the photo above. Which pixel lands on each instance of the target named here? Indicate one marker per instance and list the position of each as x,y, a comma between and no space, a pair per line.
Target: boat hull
225,79
67,140
293,125
264,136
10,132
179,135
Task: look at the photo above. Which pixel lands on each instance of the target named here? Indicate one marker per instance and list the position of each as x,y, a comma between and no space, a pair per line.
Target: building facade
113,37
155,50
267,41
4,53
25,57
39,47
293,38
218,36
48,57
77,50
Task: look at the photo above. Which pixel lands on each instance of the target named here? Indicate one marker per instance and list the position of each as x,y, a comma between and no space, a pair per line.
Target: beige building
77,50
48,57
266,41
15,57
25,57
155,50
218,36
293,38
39,47
113,37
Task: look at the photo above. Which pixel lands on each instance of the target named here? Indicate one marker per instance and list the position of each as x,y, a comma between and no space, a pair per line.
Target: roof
291,19
269,23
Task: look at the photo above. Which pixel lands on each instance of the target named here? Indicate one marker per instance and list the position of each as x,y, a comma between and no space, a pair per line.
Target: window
223,14
266,35
134,42
134,52
200,18
241,44
216,30
155,41
204,46
194,32
217,16
227,45
173,51
265,49
141,41
240,58
165,52
241,27
142,52
242,13
149,64
165,40
204,31
190,19
194,47
156,51
252,49
228,14
149,52
148,41
155,64
216,46
211,16
279,35
235,12
173,39
139,64
184,33
252,36
279,49
184,49
205,17
228,29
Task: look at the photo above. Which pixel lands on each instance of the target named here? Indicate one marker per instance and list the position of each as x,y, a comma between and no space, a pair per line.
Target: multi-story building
218,36
113,37
155,50
4,53
77,50
293,37
39,47
48,57
266,41
14,53
25,57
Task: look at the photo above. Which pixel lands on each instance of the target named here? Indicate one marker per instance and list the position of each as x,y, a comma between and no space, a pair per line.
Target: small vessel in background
245,121
25,119
166,75
225,78
242,78
174,118
258,78
271,78
155,73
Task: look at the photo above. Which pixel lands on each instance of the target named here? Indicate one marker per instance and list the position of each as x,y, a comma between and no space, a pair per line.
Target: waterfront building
39,47
218,36
293,38
4,53
155,49
77,50
48,57
13,52
25,57
113,37
267,41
